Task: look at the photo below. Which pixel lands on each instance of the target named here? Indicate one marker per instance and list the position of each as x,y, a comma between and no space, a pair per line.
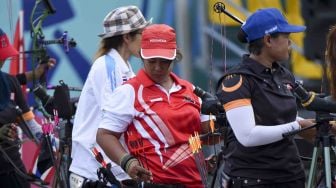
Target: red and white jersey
158,125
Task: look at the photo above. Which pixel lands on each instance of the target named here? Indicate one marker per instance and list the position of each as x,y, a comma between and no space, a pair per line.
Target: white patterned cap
123,20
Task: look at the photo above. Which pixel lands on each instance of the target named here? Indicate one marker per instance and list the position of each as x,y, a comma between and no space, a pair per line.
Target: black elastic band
124,161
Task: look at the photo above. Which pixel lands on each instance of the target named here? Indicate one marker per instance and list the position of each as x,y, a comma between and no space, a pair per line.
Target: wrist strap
124,160
128,164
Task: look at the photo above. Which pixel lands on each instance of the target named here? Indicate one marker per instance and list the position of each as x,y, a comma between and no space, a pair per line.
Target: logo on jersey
188,99
124,79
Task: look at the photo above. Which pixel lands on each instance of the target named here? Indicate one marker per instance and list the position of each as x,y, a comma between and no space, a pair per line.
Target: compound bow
41,10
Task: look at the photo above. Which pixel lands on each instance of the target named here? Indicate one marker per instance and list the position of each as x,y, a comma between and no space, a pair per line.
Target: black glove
210,103
8,132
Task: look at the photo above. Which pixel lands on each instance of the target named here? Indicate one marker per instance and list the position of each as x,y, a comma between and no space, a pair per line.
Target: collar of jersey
256,67
147,82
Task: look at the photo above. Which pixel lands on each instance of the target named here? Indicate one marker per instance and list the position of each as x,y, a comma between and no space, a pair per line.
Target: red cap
158,41
6,49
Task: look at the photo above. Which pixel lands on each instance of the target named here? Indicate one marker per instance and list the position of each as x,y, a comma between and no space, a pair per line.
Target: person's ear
267,40
127,38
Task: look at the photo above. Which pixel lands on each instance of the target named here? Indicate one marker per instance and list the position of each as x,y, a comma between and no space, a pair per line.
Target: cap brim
293,29
111,34
7,52
158,53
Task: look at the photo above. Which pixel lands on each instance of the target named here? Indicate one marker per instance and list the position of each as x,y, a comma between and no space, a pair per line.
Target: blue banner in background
83,22
80,65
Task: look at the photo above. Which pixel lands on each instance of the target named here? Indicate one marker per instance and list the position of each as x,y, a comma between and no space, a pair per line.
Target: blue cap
268,21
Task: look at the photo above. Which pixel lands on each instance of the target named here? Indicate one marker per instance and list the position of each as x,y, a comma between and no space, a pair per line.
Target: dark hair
330,56
255,46
241,36
179,55
115,42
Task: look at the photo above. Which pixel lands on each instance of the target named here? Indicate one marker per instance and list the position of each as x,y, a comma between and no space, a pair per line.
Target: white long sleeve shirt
88,116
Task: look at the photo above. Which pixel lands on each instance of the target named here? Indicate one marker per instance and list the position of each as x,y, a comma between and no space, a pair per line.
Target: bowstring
223,34
10,16
223,48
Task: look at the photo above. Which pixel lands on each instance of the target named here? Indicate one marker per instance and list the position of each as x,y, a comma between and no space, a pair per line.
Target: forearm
39,70
249,134
109,142
30,75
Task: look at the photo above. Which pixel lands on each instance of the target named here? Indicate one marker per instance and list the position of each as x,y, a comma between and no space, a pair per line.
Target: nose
158,65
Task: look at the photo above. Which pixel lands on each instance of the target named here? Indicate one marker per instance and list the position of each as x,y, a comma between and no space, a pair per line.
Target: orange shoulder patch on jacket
232,83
